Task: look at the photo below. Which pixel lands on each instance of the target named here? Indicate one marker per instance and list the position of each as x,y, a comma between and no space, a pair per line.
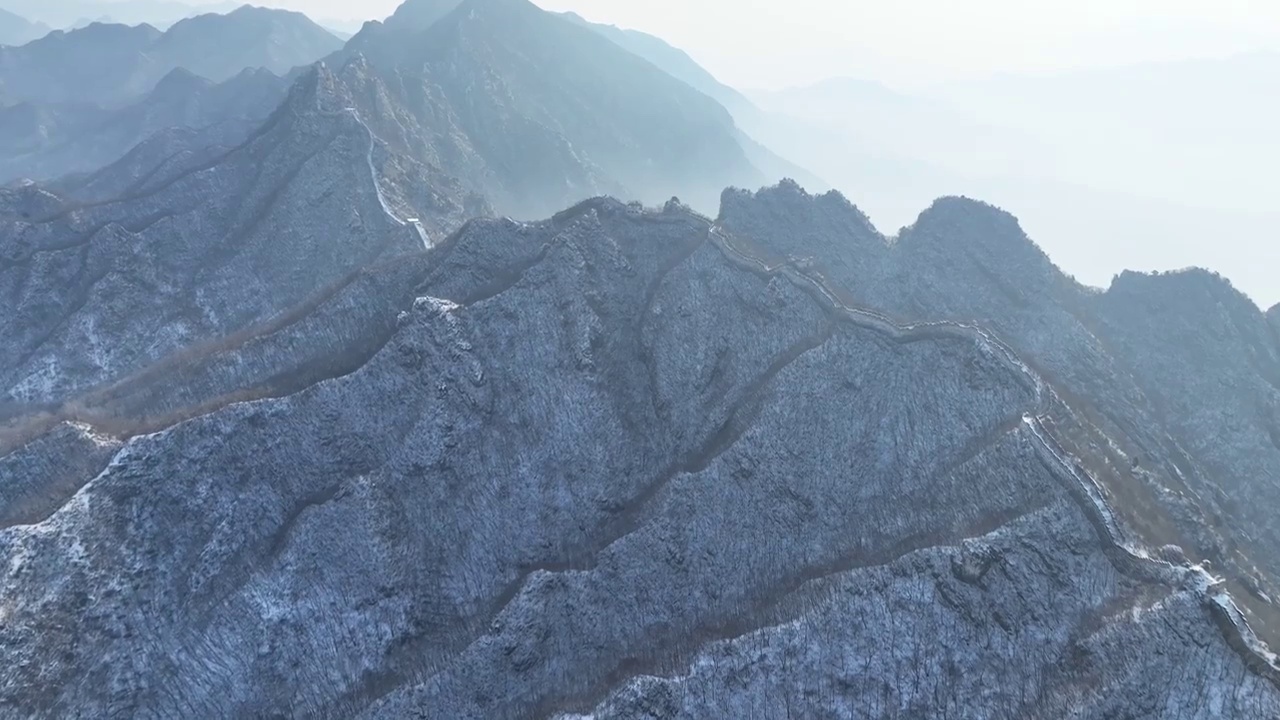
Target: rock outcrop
613,464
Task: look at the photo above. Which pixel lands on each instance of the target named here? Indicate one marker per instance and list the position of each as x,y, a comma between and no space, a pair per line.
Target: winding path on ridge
377,187
1080,485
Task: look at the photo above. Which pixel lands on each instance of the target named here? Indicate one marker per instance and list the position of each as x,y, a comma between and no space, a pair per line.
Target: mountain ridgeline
293,423
17,30
51,142
109,64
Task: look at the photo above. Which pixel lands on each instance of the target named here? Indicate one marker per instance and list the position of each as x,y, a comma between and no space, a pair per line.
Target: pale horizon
914,42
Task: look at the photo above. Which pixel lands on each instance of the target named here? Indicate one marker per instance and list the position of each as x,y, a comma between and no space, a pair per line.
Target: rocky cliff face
530,500
1178,371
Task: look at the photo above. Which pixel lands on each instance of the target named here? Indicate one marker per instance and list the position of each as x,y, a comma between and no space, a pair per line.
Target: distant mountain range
65,14
112,64
17,30
47,142
1033,146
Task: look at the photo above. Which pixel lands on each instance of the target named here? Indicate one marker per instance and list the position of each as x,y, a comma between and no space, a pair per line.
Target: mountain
1217,113
217,46
291,425
611,463
434,158
565,112
203,247
679,65
86,22
46,143
67,13
1177,371
17,30
113,64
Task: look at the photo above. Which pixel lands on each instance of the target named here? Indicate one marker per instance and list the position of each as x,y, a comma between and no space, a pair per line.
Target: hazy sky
767,43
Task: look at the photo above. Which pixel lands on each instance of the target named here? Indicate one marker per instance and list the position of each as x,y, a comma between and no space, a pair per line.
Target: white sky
768,43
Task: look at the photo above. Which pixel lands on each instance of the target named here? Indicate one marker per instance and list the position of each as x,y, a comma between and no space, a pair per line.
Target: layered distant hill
17,30
71,13
46,142
113,64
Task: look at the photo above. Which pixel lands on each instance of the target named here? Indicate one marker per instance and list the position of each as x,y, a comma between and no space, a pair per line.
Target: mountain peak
105,32
980,224
179,80
242,14
1186,289
963,210
565,112
789,198
414,16
17,30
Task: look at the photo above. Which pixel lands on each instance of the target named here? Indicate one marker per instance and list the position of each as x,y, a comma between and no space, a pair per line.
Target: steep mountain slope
113,64
17,30
677,63
1178,369
26,126
99,289
50,142
161,158
671,60
565,113
532,500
